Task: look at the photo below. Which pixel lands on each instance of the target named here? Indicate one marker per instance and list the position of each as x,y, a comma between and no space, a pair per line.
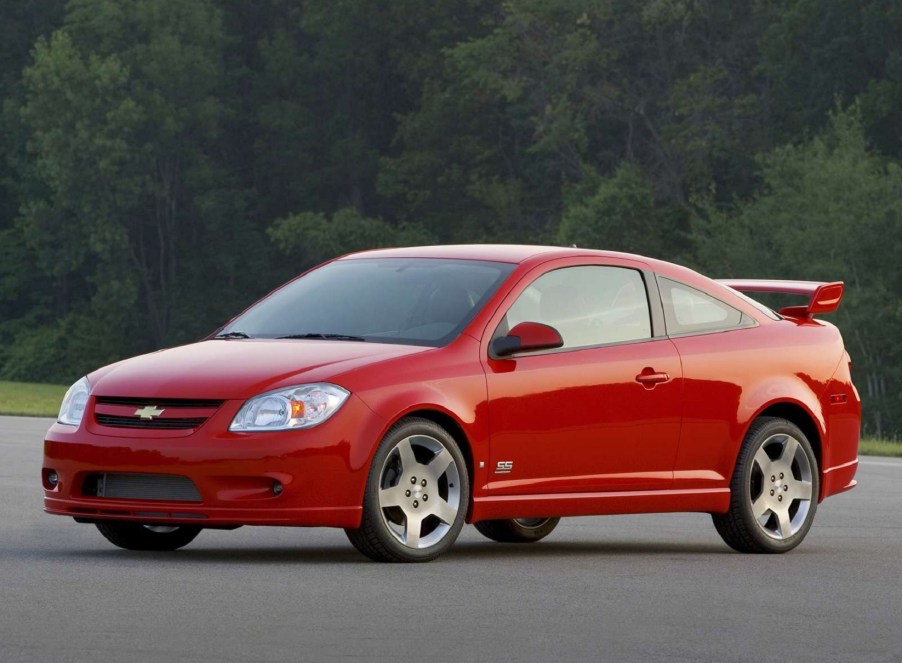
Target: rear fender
842,406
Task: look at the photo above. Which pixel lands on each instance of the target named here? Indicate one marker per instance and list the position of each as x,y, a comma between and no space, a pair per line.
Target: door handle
649,377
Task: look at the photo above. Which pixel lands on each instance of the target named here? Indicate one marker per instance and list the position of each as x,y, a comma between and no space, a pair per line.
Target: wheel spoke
445,512
763,461
405,451
440,463
784,522
412,530
760,507
801,490
390,497
789,451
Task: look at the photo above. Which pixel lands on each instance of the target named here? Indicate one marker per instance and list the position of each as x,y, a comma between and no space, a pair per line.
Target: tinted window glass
687,310
396,300
588,305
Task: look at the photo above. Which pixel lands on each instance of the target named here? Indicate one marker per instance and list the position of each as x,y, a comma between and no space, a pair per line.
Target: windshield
417,301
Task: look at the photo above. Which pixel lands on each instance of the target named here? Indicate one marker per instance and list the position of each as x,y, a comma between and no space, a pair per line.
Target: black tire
517,530
777,477
408,503
137,536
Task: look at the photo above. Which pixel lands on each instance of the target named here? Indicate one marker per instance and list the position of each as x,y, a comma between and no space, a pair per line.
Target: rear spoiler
823,297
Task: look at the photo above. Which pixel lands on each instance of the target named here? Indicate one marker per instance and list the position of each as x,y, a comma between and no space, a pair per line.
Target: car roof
512,253
521,253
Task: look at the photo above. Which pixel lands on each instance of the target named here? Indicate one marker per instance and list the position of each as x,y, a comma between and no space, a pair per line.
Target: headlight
304,406
74,402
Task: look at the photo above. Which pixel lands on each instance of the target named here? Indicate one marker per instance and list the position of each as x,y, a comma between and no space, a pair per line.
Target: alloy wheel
419,491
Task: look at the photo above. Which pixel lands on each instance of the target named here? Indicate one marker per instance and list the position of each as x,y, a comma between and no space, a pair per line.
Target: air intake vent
134,422
169,487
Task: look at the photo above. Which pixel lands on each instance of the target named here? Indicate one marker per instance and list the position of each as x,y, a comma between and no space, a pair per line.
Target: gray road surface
641,588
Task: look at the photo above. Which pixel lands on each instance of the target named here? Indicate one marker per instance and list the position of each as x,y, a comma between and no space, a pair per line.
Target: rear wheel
417,495
517,530
137,536
774,490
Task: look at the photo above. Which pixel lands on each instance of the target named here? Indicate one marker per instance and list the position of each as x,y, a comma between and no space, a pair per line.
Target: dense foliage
167,162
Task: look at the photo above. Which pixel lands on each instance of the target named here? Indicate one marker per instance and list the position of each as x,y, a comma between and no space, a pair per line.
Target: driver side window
589,305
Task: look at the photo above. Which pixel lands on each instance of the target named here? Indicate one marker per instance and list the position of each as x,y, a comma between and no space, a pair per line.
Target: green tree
558,91
830,209
20,281
78,170
129,214
618,215
333,78
316,238
817,52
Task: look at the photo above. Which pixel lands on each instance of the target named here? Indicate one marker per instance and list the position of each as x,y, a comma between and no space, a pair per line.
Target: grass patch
31,399
873,447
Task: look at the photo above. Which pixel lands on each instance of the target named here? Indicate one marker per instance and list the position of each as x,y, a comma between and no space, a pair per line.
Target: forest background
163,163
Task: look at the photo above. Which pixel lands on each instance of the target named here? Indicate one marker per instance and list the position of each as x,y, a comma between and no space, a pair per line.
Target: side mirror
527,337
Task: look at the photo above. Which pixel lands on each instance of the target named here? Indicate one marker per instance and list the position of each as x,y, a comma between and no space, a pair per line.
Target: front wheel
416,497
517,530
137,536
774,490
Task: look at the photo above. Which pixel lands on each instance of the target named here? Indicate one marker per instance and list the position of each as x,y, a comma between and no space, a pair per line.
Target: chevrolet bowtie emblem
149,412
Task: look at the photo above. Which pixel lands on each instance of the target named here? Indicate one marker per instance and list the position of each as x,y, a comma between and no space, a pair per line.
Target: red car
401,393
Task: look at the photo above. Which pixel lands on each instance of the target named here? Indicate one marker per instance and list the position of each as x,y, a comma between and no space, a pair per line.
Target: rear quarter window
688,310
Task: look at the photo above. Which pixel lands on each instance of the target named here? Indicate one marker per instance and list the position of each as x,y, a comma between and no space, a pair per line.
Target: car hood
237,369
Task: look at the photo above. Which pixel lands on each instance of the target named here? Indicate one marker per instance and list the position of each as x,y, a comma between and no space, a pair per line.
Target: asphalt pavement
643,588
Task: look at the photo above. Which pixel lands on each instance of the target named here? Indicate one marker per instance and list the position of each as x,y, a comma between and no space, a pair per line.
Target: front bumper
321,472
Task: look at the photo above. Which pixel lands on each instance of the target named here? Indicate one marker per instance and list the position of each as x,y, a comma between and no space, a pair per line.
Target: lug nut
423,482
781,475
772,491
773,478
406,493
425,497
413,479
415,504
785,487
779,498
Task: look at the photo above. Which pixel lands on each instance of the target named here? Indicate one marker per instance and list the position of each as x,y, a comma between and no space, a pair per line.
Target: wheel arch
455,430
449,422
799,415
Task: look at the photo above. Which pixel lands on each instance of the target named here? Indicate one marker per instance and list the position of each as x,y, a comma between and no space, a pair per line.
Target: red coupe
401,393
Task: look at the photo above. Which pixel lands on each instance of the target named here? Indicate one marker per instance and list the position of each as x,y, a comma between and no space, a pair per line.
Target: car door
601,413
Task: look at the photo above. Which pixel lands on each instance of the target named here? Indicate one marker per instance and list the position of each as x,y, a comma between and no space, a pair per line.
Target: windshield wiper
328,337
233,334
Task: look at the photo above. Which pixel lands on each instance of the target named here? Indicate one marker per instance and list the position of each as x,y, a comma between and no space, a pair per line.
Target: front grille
169,487
153,413
134,422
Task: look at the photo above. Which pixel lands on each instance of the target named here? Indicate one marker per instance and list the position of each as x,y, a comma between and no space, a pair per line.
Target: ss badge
504,467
